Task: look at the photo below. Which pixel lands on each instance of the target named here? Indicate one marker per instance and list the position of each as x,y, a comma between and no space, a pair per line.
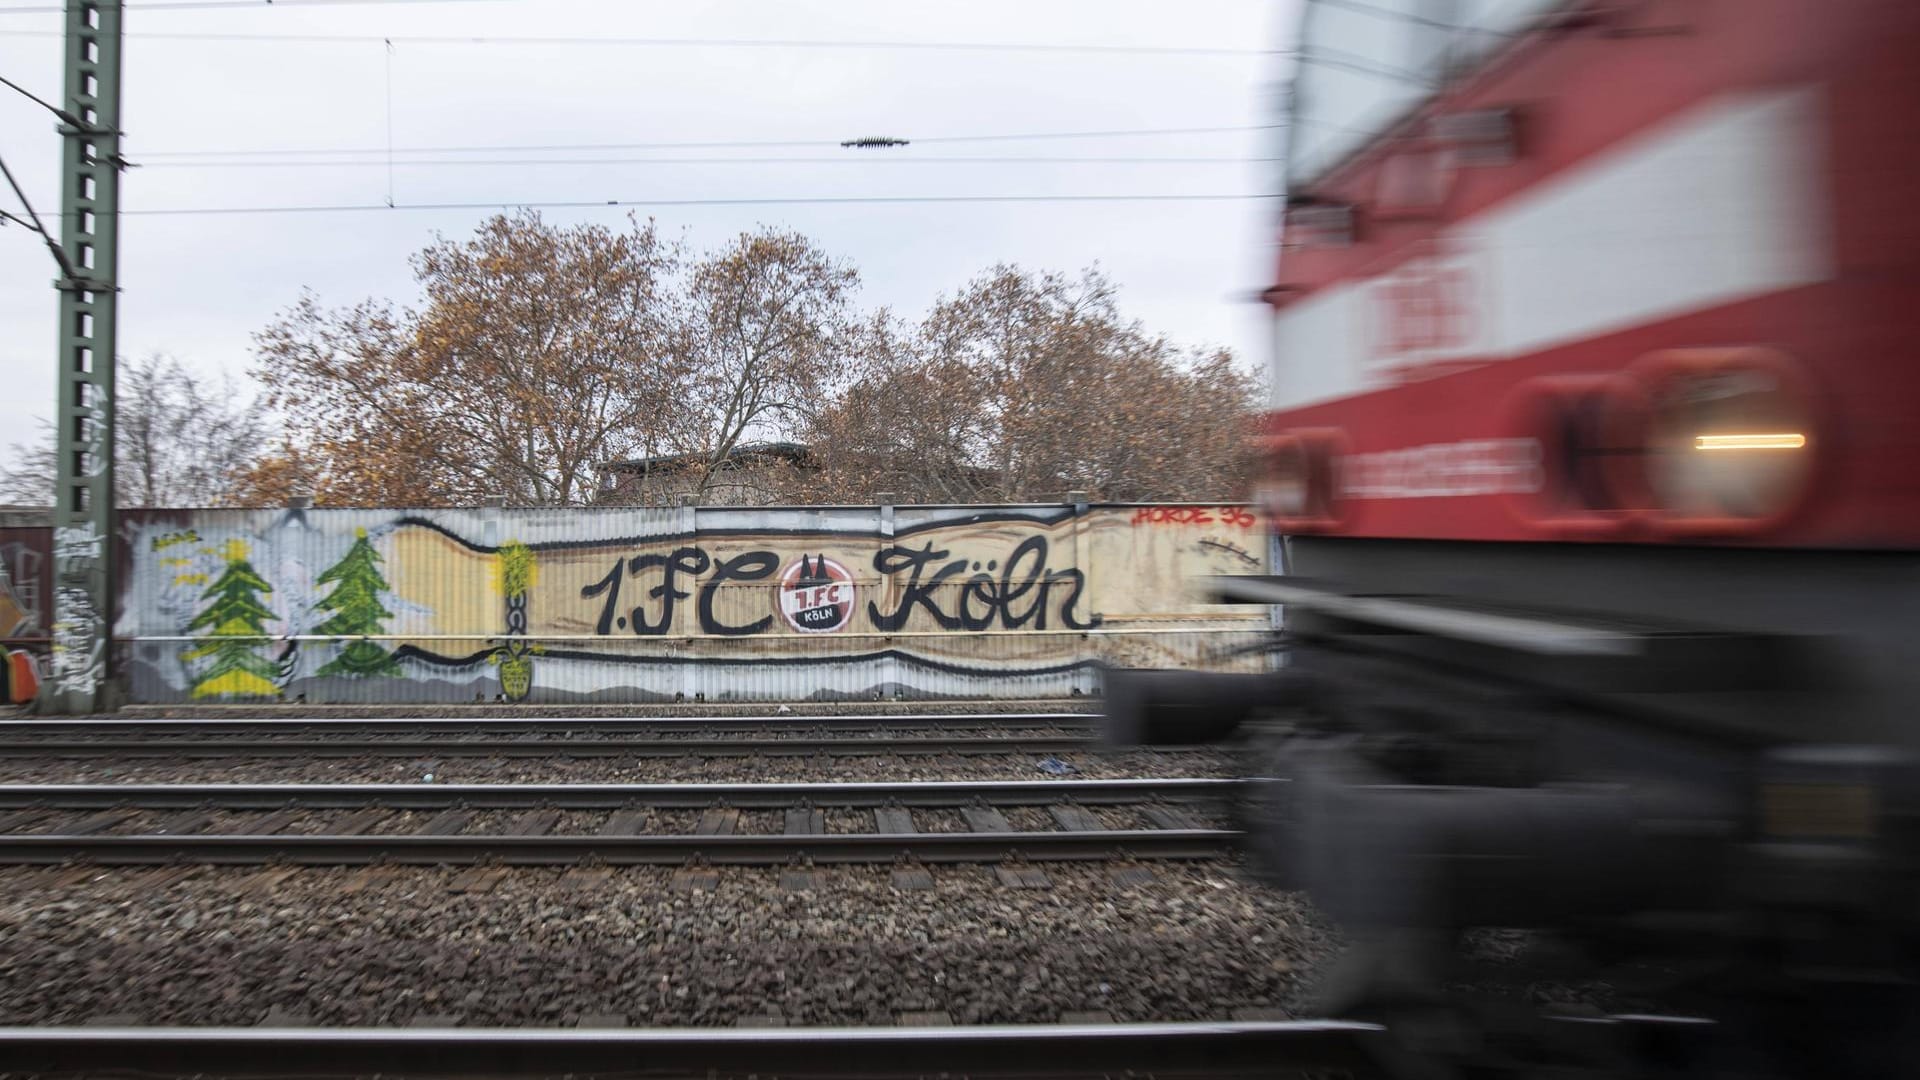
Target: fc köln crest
816,595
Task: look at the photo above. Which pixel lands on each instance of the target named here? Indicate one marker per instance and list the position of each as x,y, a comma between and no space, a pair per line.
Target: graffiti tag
680,564
1236,516
78,659
981,598
1018,594
162,543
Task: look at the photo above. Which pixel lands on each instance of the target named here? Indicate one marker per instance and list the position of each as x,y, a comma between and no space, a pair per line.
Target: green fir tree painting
236,637
355,603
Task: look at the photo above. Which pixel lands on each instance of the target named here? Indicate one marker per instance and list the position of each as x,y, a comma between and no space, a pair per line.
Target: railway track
1171,1049
613,824
1009,733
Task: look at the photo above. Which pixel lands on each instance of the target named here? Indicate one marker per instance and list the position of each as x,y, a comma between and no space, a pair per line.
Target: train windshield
1364,64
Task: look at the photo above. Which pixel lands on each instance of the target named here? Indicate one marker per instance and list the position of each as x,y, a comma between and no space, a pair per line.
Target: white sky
198,286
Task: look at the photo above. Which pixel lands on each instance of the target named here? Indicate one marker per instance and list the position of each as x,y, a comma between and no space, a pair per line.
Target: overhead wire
845,160
703,145
33,222
1088,48
642,204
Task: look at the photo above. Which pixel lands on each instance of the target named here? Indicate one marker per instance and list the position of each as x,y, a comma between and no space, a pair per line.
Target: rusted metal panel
662,604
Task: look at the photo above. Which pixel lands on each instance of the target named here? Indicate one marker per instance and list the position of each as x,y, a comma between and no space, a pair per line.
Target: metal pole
89,230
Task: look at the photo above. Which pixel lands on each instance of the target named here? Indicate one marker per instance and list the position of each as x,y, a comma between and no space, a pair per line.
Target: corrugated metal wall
640,604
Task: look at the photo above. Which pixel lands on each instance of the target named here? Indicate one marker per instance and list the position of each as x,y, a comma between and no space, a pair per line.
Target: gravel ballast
611,770
546,947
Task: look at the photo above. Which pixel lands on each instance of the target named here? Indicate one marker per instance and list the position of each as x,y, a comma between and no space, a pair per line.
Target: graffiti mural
20,614
640,604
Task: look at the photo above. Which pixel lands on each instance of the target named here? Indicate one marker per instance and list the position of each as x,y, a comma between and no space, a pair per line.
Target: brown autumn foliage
1025,386
541,352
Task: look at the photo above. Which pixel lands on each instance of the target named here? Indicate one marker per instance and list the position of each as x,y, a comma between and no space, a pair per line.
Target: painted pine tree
235,621
355,603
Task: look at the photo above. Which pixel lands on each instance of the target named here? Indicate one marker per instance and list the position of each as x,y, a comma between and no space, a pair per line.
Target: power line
146,155
65,116
429,163
32,221
1088,48
642,204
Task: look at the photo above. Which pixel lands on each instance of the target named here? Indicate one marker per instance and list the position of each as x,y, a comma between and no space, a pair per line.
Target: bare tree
762,339
181,439
540,352
1026,385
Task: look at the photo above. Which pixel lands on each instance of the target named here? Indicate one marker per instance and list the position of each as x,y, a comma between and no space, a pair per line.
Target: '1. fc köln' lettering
816,595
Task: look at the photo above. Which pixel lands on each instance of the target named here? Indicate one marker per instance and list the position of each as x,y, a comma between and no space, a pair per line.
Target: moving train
1594,459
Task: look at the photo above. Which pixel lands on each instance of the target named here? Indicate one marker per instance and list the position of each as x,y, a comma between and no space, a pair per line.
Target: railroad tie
266,880
695,879
1167,817
910,878
536,824
893,820
586,877
1074,818
477,879
719,821
17,819
985,819
181,824
625,823
806,821
361,820
167,875
271,823
1022,876
100,822
446,823
365,879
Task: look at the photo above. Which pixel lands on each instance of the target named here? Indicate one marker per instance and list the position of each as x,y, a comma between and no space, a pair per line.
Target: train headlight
1297,493
1730,439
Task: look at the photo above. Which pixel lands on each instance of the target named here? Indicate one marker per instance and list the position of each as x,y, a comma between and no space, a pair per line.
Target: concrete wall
637,604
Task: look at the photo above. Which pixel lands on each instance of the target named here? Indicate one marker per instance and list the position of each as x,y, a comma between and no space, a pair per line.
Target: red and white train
1595,452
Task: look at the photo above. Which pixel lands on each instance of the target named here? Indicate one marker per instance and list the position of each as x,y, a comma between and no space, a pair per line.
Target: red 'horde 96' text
1236,516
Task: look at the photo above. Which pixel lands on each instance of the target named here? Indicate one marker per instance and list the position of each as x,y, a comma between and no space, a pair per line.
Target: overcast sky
197,286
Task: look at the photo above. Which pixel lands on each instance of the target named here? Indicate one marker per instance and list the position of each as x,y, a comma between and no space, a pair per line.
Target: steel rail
294,746
1225,1050
954,793
543,725
413,849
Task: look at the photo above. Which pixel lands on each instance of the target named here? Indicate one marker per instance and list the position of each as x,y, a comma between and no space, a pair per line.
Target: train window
1363,65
